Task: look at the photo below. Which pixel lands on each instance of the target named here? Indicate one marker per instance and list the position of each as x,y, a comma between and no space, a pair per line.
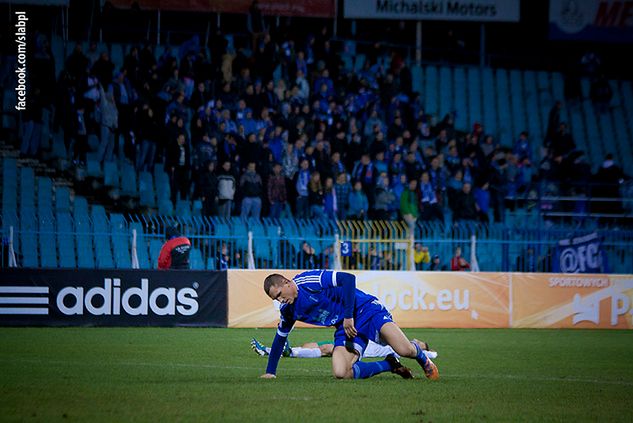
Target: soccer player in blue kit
330,298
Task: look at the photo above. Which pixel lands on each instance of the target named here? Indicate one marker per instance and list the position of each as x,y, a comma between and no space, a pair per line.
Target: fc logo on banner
579,255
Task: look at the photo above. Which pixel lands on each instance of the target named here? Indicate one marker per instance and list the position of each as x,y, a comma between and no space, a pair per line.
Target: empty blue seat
183,208
195,259
100,220
431,90
9,172
146,190
489,102
417,78
505,129
93,166
58,149
446,104
66,240
44,196
80,207
120,241
128,180
62,199
474,95
103,253
9,187
165,207
462,119
163,189
27,190
28,241
47,244
111,174
197,208
154,251
85,247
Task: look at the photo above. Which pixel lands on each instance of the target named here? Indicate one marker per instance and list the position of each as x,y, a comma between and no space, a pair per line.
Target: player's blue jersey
319,301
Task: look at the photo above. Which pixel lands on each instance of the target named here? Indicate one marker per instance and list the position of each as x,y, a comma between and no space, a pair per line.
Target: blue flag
582,254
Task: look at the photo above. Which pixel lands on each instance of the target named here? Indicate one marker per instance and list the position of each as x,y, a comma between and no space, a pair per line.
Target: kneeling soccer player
330,298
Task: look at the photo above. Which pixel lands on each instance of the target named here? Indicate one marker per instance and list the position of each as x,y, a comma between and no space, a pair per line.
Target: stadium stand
96,210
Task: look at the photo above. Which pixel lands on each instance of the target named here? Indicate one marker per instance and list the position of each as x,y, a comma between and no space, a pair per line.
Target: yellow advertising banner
571,301
416,299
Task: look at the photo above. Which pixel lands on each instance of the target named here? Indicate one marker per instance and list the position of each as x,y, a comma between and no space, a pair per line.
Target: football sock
363,370
431,354
299,352
420,356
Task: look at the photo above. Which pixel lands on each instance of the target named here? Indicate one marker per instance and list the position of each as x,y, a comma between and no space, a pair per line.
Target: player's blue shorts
368,321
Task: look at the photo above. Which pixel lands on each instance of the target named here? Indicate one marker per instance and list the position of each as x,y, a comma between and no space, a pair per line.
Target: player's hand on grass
350,330
268,376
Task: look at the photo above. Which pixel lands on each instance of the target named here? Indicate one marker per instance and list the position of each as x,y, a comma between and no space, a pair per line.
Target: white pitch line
262,368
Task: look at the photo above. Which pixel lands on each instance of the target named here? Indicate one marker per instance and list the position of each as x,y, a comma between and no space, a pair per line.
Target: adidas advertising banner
112,298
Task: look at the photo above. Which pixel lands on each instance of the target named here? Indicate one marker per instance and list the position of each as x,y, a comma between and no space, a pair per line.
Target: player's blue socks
420,356
363,370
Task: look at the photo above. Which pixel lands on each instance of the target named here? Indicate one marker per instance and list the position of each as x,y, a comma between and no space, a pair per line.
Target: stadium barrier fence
464,300
278,244
235,298
38,297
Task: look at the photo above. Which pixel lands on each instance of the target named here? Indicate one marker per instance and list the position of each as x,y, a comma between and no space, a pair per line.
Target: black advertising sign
82,297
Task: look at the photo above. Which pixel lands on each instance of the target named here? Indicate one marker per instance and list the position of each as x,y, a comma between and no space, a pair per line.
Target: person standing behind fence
459,263
175,252
251,187
226,190
277,192
178,166
109,122
409,204
358,203
421,256
343,189
301,184
255,24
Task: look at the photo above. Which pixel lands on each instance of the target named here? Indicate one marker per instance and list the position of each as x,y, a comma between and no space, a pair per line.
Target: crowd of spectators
276,126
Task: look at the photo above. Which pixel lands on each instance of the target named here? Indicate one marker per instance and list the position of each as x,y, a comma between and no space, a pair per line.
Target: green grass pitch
179,374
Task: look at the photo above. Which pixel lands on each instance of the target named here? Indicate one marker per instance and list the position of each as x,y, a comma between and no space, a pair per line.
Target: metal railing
299,244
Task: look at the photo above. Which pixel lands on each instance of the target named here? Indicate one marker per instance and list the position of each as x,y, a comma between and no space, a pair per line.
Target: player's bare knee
343,373
406,350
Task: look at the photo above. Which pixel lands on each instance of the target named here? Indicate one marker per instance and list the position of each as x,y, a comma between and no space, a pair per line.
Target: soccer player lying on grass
325,348
330,298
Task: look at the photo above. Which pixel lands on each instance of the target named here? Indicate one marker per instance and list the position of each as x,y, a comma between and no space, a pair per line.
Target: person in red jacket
175,251
458,262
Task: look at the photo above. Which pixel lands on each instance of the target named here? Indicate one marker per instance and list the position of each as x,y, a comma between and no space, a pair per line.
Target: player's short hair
274,279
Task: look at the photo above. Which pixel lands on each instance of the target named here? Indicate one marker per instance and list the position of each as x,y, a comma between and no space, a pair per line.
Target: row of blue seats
507,102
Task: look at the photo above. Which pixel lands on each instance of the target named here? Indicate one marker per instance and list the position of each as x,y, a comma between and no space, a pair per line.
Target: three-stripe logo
24,300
